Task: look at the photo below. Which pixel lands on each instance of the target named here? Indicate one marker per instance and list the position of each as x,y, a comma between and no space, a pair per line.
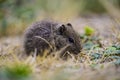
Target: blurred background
16,15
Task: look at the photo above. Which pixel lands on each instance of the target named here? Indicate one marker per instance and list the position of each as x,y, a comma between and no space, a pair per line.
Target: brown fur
51,35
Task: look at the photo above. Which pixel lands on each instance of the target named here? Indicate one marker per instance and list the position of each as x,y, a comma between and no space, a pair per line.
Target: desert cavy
51,35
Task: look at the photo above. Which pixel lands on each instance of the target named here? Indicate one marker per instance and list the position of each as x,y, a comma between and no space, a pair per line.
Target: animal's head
72,38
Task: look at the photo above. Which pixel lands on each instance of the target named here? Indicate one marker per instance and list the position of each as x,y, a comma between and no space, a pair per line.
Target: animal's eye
71,40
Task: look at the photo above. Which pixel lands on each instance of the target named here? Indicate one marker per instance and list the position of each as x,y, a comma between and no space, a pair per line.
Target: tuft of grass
13,68
16,72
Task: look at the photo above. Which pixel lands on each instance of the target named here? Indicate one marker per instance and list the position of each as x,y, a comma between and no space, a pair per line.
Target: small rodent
45,34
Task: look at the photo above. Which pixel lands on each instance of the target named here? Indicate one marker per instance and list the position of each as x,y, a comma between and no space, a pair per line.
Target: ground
95,62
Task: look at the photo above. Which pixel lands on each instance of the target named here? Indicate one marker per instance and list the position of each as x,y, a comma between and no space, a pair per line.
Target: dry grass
99,59
95,62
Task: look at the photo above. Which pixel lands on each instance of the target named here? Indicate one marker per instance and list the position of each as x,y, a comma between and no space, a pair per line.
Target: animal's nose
77,51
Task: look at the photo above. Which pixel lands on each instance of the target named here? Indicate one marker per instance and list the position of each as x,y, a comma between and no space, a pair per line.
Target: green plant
16,72
89,30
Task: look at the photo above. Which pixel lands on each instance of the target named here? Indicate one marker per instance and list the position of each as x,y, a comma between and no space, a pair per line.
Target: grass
95,62
99,59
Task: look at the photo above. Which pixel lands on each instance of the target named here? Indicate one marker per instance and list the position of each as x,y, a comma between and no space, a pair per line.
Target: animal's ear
69,24
62,29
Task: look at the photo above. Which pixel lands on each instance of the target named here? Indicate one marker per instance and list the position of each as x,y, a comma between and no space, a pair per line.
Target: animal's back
36,35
